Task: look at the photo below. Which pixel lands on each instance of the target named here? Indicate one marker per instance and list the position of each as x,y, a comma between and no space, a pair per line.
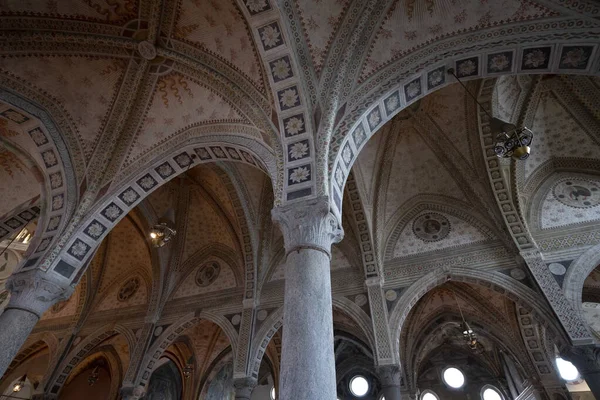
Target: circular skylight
429,396
272,393
491,394
567,370
454,378
359,386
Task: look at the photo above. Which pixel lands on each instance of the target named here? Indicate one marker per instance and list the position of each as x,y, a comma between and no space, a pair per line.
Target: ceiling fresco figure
310,199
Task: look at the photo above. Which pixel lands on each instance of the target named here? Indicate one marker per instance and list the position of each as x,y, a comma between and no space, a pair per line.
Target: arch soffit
498,334
397,86
60,174
542,180
420,203
177,329
496,281
86,347
275,321
128,194
576,275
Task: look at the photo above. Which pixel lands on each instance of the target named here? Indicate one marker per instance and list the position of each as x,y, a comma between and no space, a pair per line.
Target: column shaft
389,376
307,359
32,293
15,327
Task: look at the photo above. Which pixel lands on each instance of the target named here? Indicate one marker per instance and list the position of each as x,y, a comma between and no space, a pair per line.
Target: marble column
32,293
587,361
244,388
307,359
389,376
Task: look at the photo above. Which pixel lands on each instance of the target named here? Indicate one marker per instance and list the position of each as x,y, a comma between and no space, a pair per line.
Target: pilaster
379,318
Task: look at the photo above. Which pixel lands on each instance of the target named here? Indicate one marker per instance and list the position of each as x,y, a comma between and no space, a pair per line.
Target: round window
491,394
453,377
567,370
429,396
359,386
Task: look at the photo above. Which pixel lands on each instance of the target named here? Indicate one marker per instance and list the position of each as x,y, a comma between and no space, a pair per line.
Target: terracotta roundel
578,193
128,289
208,273
431,227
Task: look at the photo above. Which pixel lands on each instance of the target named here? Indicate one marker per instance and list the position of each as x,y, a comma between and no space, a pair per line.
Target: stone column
587,361
389,376
307,359
32,293
244,388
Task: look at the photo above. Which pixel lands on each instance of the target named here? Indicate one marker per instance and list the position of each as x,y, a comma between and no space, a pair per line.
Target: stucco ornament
147,50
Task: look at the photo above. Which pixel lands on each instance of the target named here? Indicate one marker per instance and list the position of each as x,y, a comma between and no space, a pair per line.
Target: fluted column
32,293
389,376
587,361
307,359
244,388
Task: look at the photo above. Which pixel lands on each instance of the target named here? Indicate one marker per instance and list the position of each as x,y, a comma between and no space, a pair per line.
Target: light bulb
153,235
17,387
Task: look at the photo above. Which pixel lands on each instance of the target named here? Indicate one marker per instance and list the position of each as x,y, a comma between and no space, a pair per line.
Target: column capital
244,387
585,358
389,375
35,291
132,393
308,224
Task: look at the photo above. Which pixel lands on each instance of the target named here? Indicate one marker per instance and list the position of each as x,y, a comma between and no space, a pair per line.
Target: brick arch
60,193
515,291
370,105
81,351
420,203
128,193
173,332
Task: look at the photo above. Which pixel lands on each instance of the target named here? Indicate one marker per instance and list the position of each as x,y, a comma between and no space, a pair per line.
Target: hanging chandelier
94,375
189,367
469,335
20,384
163,232
511,140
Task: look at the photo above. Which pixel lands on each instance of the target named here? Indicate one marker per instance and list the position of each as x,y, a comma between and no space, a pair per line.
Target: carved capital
244,387
132,393
389,375
585,358
308,225
36,291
